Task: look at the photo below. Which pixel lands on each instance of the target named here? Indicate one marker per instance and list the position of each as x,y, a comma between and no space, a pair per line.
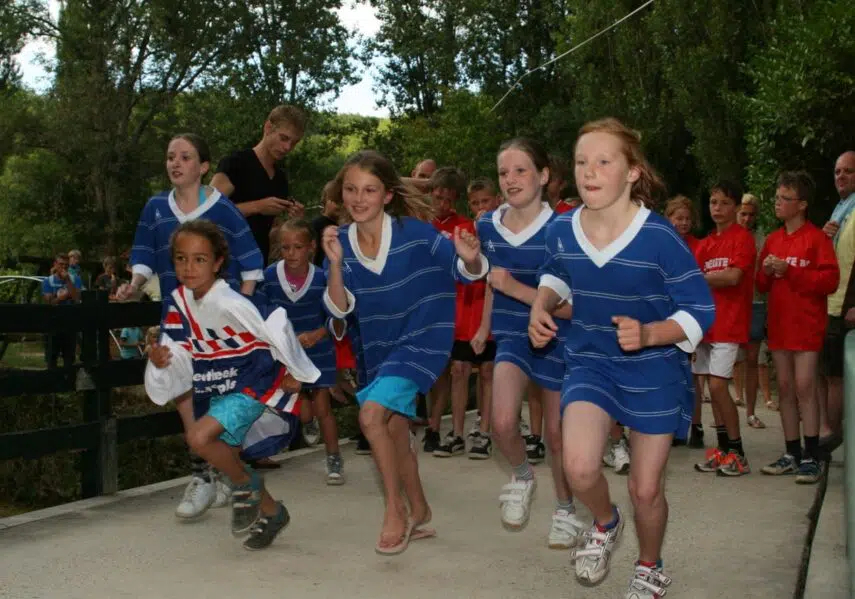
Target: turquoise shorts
394,393
236,413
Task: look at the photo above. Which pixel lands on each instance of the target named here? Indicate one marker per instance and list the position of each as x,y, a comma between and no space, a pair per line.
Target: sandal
420,531
401,546
771,405
755,422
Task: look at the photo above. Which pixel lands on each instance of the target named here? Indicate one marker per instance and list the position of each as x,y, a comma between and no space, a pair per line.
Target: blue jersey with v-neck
649,274
150,253
521,254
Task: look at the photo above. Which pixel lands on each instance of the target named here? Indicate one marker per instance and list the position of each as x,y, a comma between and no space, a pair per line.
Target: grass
27,355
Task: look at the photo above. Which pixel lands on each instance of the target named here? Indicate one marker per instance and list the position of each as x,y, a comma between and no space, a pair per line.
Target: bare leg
647,491
326,420
460,372
787,403
835,405
723,403
552,407
485,377
535,409
438,397
374,420
408,467
700,382
509,384
752,352
822,403
806,364
585,429
739,382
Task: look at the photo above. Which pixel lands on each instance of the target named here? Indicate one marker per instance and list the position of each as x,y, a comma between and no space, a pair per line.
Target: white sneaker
620,453
525,430
224,494
198,497
311,432
566,529
592,561
647,583
516,502
475,430
609,455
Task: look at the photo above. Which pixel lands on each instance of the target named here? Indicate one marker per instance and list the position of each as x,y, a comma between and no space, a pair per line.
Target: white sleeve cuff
351,301
252,275
485,267
690,326
558,286
331,322
142,269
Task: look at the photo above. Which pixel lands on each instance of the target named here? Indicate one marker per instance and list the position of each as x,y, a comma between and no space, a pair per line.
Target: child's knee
553,438
582,471
505,424
197,439
460,370
645,492
372,417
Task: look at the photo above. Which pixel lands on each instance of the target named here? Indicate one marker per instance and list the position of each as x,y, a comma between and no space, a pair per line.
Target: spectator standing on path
60,288
841,229
254,180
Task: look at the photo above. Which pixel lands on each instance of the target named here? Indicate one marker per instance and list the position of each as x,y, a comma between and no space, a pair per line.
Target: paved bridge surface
727,538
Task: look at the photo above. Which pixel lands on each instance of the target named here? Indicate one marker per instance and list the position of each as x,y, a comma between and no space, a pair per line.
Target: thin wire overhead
570,51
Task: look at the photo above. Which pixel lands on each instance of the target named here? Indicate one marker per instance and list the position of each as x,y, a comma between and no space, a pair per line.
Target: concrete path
727,538
829,567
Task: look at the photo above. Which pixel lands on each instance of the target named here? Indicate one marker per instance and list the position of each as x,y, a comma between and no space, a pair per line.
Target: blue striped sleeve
246,253
142,256
551,274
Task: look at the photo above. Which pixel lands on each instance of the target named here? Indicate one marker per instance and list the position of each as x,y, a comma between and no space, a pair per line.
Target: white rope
570,51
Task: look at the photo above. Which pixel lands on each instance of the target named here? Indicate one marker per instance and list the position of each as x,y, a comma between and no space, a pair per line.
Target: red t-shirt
798,301
693,243
732,248
470,298
562,206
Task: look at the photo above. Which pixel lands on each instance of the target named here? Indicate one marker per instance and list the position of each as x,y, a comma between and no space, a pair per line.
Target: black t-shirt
319,224
252,183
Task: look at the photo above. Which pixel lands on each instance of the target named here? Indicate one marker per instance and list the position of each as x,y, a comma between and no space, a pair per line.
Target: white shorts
716,359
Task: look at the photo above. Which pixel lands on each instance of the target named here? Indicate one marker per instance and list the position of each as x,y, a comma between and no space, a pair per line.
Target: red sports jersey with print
562,206
731,248
470,298
693,243
798,301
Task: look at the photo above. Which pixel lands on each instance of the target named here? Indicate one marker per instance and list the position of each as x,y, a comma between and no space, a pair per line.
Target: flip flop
420,531
400,547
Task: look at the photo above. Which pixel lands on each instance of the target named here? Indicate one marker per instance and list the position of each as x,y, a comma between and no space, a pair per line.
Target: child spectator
74,258
108,280
129,343
61,288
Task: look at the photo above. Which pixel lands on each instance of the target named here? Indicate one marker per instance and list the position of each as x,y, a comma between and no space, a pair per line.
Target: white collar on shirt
377,264
294,294
605,255
517,239
213,196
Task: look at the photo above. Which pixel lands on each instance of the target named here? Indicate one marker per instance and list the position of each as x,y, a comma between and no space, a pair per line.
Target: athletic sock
721,435
812,447
612,524
794,448
735,446
524,471
565,505
199,468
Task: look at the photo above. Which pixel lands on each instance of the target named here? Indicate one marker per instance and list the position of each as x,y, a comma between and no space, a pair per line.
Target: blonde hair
76,254
406,200
285,114
750,200
678,202
649,188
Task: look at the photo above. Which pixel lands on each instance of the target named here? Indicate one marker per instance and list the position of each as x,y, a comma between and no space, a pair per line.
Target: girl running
639,302
295,284
514,237
236,359
188,159
396,274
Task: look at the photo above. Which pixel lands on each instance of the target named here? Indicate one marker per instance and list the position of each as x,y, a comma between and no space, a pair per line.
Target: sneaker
786,464
809,472
696,438
431,440
246,504
714,460
592,561
734,465
266,528
198,497
476,428
481,447
516,502
335,469
223,491
451,446
525,431
534,449
620,452
566,529
363,447
647,583
311,432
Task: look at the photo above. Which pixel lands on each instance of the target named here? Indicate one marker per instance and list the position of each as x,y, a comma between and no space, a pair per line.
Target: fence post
100,474
849,451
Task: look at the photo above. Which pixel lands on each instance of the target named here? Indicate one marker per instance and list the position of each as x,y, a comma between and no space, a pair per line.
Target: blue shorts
758,321
666,410
394,393
236,413
543,366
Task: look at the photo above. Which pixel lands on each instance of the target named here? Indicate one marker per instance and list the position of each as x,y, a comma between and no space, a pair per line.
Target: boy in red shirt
727,258
799,271
447,185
